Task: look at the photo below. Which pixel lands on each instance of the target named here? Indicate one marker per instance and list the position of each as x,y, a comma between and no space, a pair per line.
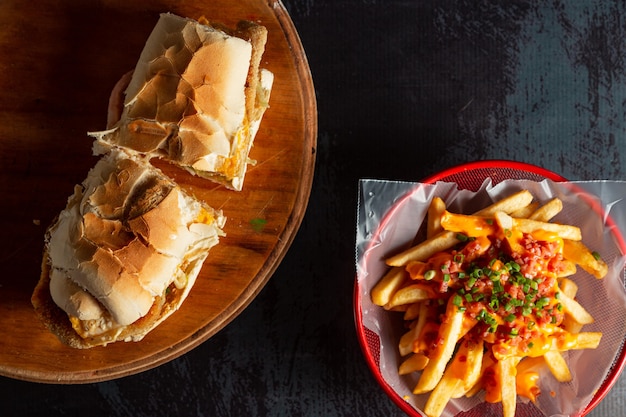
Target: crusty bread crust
200,111
130,241
50,314
58,323
257,36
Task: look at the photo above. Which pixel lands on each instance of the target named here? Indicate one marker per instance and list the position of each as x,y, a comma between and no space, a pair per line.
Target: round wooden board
61,60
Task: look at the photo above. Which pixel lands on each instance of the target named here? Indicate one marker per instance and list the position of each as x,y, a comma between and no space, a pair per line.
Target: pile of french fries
487,300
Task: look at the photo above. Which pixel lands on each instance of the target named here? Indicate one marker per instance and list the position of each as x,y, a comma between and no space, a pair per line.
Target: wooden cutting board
59,63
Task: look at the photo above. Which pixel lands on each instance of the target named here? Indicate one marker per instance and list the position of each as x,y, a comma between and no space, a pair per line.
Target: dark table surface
405,89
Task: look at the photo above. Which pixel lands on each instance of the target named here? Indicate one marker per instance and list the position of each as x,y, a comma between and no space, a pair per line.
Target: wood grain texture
55,91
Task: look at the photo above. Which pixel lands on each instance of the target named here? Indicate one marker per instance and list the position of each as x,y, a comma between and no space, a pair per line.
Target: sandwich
123,254
195,98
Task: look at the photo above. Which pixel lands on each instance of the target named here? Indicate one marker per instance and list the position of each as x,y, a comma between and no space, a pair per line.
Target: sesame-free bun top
124,253
195,98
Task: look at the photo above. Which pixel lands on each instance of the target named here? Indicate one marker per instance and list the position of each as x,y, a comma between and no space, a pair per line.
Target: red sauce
511,294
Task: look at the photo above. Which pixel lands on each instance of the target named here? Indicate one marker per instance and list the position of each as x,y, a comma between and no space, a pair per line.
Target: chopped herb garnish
457,300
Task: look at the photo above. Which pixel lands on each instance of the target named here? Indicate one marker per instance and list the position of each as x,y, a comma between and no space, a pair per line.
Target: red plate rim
444,176
493,164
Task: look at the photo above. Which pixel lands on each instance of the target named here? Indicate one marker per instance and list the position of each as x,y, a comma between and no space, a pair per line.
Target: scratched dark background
405,89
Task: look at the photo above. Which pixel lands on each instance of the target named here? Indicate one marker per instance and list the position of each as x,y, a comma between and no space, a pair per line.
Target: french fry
583,340
526,211
412,312
577,252
411,294
440,396
569,288
408,339
487,362
546,212
435,210
508,204
557,365
506,223
385,288
473,366
564,231
576,311
423,251
415,362
527,378
449,332
568,268
450,383
507,372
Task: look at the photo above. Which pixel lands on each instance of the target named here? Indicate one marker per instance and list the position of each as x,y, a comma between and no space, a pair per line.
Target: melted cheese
103,329
472,226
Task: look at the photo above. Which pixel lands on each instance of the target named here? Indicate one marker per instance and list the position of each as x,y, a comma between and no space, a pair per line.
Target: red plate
471,176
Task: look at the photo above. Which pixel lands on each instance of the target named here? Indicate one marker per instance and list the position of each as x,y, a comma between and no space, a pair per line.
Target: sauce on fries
487,299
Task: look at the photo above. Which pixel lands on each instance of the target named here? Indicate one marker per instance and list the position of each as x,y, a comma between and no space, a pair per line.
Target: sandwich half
123,255
195,98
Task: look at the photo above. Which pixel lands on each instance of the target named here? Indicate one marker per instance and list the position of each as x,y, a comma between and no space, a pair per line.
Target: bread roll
195,98
123,255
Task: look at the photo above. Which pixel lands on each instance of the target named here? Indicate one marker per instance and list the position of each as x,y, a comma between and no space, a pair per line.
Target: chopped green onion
430,274
461,237
542,302
457,300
